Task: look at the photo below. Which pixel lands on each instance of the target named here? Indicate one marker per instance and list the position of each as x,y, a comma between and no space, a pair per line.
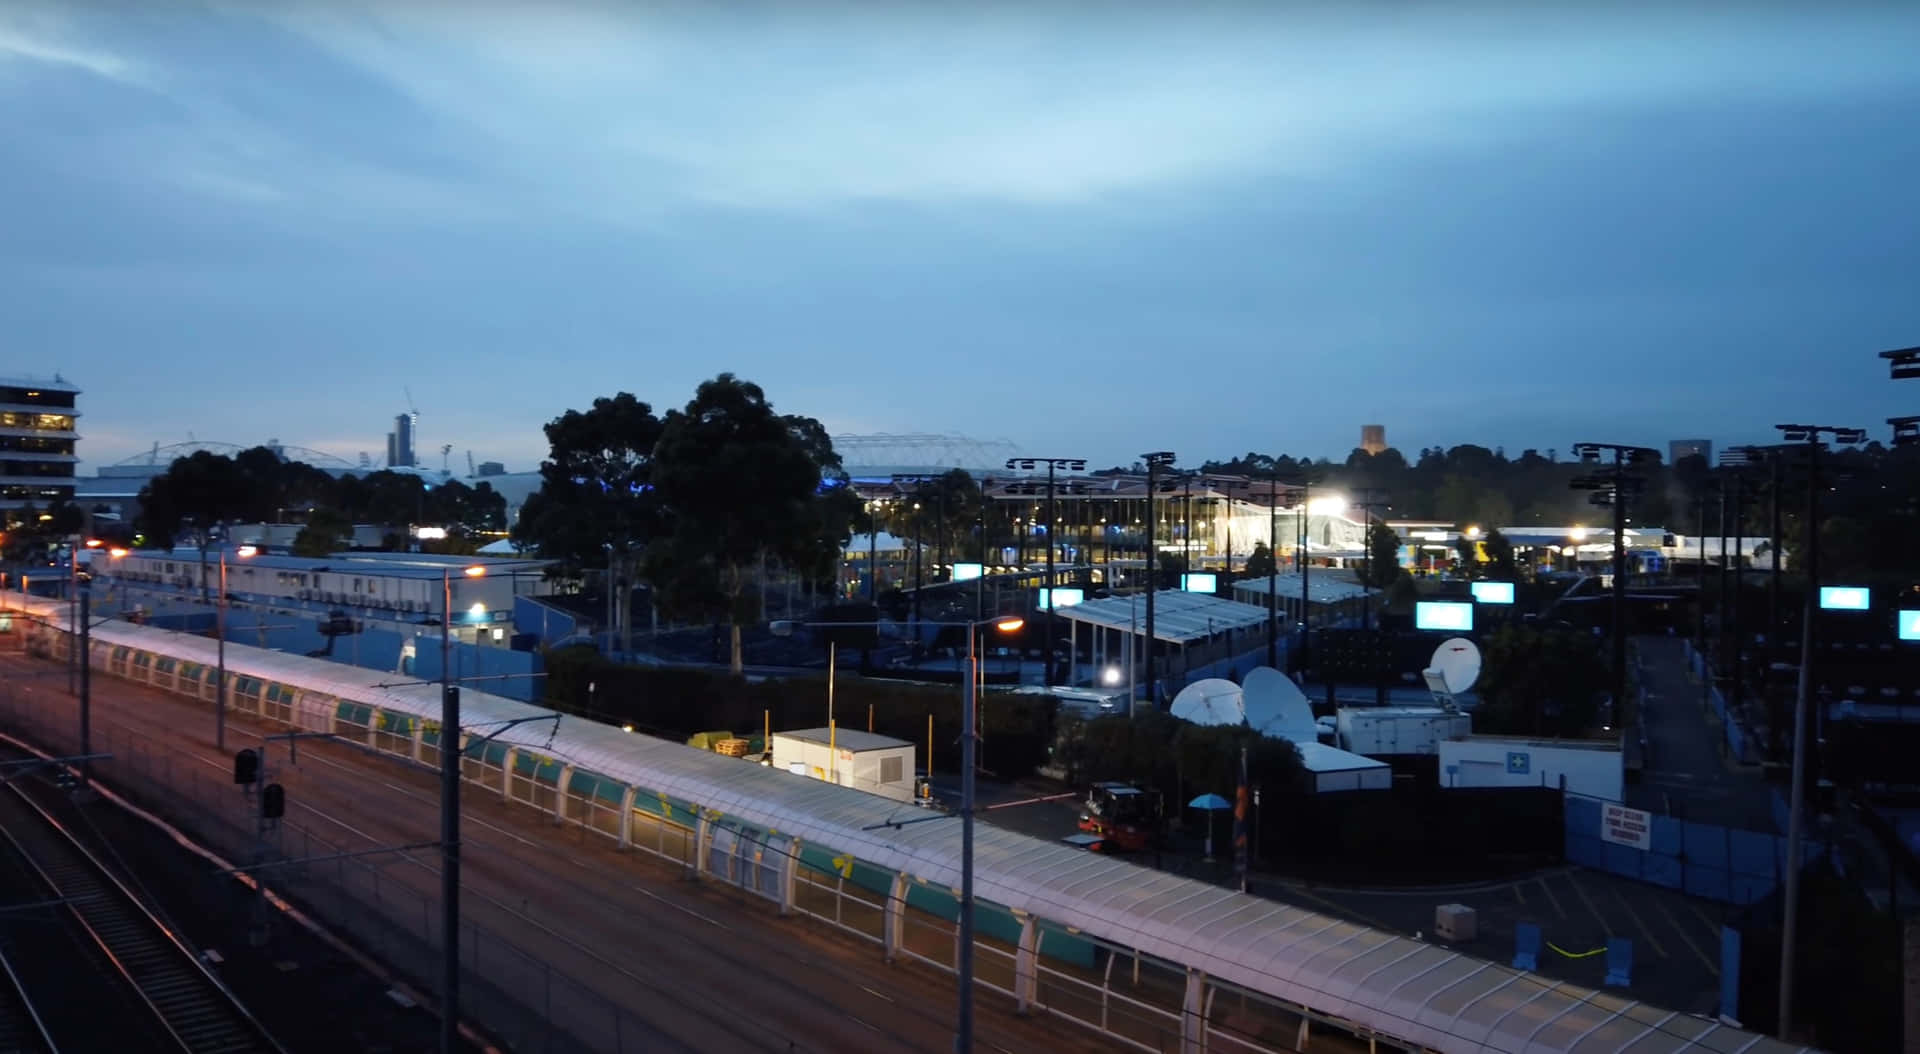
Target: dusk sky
1089,233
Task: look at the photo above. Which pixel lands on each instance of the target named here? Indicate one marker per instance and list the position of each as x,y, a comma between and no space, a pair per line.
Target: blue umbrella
1212,803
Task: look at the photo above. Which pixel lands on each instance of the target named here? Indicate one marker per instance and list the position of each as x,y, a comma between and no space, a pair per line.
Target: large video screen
1200,582
1845,598
1063,597
966,572
1493,592
1910,625
1450,616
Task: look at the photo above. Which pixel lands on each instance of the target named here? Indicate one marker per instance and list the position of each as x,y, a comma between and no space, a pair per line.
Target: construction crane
471,471
446,451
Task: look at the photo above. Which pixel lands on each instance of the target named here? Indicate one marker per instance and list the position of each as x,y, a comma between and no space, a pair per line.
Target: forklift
1122,815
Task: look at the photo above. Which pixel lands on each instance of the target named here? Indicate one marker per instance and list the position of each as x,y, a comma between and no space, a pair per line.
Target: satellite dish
1212,701
1458,663
1276,707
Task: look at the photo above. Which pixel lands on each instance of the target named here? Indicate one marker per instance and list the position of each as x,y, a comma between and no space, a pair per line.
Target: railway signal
246,768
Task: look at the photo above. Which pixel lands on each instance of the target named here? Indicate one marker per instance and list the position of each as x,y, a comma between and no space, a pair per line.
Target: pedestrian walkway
1687,774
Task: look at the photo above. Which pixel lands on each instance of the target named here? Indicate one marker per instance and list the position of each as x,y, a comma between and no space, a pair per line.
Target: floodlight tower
1796,814
1028,464
1904,365
1614,485
1156,460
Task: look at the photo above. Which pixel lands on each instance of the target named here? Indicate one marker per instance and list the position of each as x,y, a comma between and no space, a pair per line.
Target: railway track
187,1007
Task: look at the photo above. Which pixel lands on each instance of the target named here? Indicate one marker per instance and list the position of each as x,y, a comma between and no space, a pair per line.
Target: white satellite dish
1212,701
1276,707
1458,662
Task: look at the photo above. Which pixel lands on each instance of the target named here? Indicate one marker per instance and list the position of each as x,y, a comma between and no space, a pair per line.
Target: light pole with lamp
220,633
1796,811
1156,461
969,733
1028,464
450,754
1614,479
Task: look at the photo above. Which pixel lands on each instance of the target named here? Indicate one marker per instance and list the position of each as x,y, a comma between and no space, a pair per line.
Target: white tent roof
1321,588
1178,616
861,545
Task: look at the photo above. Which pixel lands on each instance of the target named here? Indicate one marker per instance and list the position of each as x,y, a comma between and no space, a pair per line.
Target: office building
400,442
37,440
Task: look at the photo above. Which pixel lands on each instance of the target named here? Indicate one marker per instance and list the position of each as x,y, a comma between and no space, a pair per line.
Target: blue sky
1089,230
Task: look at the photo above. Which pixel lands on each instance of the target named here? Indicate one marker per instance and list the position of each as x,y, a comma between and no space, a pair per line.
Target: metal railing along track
192,1007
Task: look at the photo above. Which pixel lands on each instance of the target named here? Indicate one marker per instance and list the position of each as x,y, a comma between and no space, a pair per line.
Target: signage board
966,572
1519,763
1493,592
1845,598
1060,597
1623,826
1910,625
1200,582
1451,616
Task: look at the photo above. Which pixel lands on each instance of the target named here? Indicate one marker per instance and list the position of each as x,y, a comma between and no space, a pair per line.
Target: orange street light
476,571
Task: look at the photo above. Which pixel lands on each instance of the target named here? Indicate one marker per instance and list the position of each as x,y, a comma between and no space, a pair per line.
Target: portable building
1332,769
862,760
1589,767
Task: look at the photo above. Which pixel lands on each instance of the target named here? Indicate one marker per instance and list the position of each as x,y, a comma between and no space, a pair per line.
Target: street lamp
969,733
220,633
1156,461
1810,435
450,754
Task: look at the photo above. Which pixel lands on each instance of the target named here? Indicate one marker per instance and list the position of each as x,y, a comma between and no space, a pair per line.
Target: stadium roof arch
879,456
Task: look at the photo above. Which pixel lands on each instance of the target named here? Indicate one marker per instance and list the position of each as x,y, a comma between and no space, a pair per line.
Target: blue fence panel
548,622
1662,865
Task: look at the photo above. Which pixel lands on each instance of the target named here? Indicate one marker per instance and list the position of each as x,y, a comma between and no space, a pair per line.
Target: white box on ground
1455,922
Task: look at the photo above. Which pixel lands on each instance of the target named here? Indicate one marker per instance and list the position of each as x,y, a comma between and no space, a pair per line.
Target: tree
738,486
1259,562
326,531
1500,565
1383,555
595,491
1466,554
1540,681
195,496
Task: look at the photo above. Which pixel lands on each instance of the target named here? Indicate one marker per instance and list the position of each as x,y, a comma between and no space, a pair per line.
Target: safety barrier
1706,860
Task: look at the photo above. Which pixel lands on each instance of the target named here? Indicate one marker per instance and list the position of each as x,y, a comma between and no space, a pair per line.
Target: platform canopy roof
1179,617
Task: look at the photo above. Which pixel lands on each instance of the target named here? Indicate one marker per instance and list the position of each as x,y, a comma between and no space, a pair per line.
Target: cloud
600,108
26,39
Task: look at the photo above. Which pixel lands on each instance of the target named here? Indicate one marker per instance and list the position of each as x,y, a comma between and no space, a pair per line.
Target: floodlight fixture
1904,363
1906,430
1158,458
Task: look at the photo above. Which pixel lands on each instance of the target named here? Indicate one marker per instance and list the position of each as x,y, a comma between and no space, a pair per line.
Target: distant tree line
189,503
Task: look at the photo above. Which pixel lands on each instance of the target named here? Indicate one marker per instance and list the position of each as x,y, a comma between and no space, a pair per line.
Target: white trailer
1382,731
876,764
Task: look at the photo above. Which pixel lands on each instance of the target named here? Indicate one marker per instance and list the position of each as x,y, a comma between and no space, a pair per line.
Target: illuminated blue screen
1443,615
1493,592
1845,598
1200,582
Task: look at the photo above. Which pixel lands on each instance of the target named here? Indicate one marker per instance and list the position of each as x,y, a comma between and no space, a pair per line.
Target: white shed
1389,730
876,764
1332,769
